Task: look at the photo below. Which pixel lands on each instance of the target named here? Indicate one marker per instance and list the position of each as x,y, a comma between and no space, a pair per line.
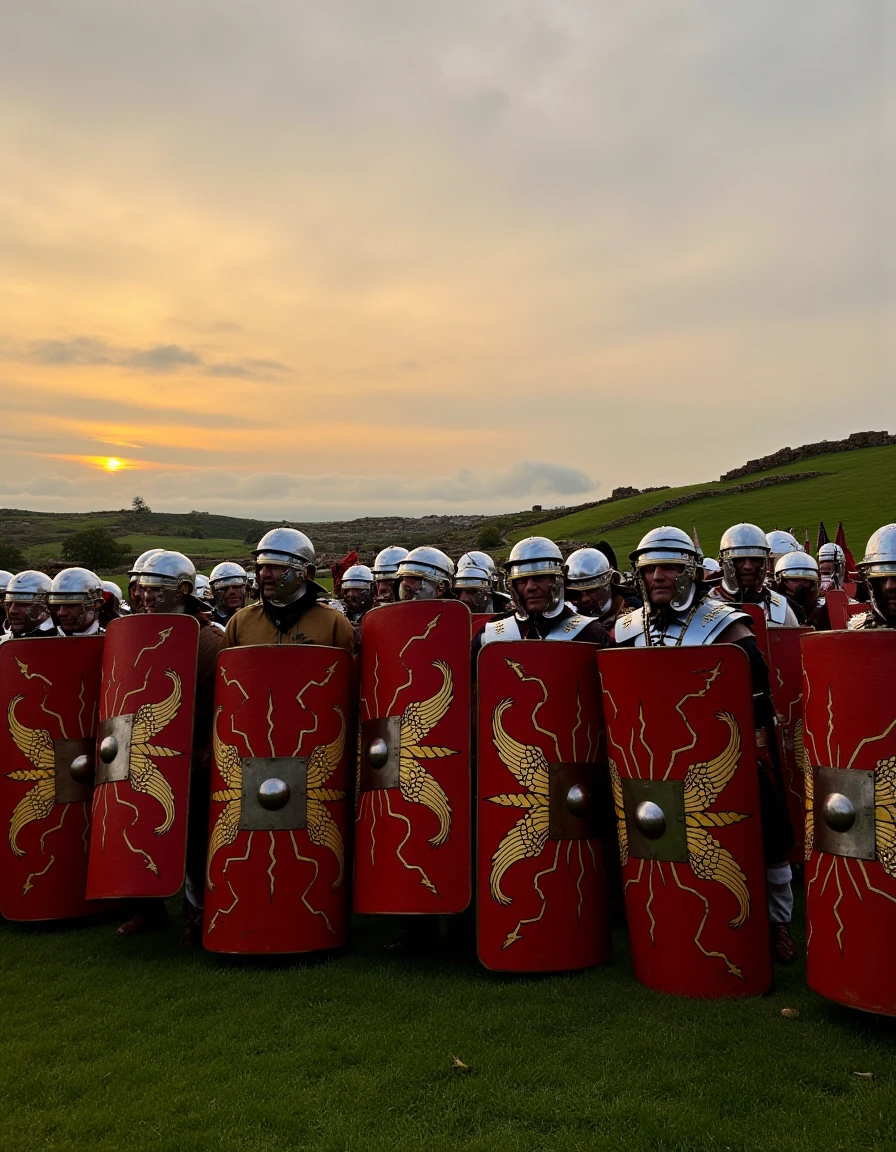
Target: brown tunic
317,625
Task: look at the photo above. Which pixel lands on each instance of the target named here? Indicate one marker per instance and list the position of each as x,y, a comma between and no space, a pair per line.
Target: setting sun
112,464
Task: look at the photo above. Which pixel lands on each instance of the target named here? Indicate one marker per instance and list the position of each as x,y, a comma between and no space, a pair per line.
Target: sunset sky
323,260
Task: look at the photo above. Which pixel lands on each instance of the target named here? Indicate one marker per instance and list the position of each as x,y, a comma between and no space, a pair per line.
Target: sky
317,261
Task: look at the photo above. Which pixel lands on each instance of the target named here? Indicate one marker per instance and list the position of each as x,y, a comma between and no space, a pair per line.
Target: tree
95,548
489,536
12,558
138,504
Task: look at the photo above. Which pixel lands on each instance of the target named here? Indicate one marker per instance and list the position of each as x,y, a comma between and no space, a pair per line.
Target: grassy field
860,491
112,1043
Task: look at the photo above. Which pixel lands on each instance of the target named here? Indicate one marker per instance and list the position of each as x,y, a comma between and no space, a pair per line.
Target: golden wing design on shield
528,836
230,765
143,775
703,783
417,786
619,808
35,745
799,751
321,826
885,814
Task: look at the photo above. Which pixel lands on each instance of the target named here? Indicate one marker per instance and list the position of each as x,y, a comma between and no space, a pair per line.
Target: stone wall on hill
789,455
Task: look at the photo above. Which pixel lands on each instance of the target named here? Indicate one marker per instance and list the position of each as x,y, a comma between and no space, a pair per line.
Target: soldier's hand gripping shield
786,677
412,819
542,899
144,750
49,694
850,771
682,756
275,878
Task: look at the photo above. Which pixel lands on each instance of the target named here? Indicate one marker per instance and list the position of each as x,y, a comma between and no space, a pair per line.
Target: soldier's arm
230,638
343,634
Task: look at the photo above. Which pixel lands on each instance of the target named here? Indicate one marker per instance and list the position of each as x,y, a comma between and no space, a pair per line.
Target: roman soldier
229,584
878,568
535,574
76,600
797,578
134,575
744,555
114,604
385,573
288,611
831,565
202,591
167,586
593,588
27,609
678,611
426,573
357,586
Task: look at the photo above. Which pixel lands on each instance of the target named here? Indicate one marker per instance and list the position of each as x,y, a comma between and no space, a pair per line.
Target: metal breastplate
702,624
509,629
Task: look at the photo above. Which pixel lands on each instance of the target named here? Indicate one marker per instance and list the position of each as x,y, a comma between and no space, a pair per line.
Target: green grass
111,1043
860,491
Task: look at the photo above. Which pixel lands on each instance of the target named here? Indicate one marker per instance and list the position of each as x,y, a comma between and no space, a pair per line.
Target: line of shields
530,790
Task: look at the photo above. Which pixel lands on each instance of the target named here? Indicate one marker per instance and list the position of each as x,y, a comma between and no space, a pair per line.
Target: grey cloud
19,399
157,359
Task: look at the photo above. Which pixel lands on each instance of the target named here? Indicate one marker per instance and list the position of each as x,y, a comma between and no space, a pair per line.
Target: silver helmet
75,587
742,541
478,582
833,554
588,568
879,561
227,574
476,559
5,578
536,556
112,588
173,576
359,576
780,543
667,545
385,567
30,589
796,566
710,567
140,562
432,567
290,549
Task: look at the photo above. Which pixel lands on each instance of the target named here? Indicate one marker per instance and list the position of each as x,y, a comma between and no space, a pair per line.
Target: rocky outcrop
790,455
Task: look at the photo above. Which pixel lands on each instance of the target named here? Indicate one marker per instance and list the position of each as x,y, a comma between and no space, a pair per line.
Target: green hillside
860,490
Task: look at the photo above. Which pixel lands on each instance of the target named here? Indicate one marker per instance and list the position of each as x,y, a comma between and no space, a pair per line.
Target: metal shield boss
412,817
49,693
682,756
849,754
278,826
542,900
786,677
144,750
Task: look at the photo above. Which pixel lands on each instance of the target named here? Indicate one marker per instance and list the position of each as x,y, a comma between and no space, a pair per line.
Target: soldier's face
534,592
268,576
385,591
234,597
476,599
749,570
73,618
887,585
23,617
660,581
826,567
589,601
356,599
135,596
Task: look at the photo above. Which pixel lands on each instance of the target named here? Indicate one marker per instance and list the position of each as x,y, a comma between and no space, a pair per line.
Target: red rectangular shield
682,755
850,773
542,900
49,694
412,819
145,744
275,879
